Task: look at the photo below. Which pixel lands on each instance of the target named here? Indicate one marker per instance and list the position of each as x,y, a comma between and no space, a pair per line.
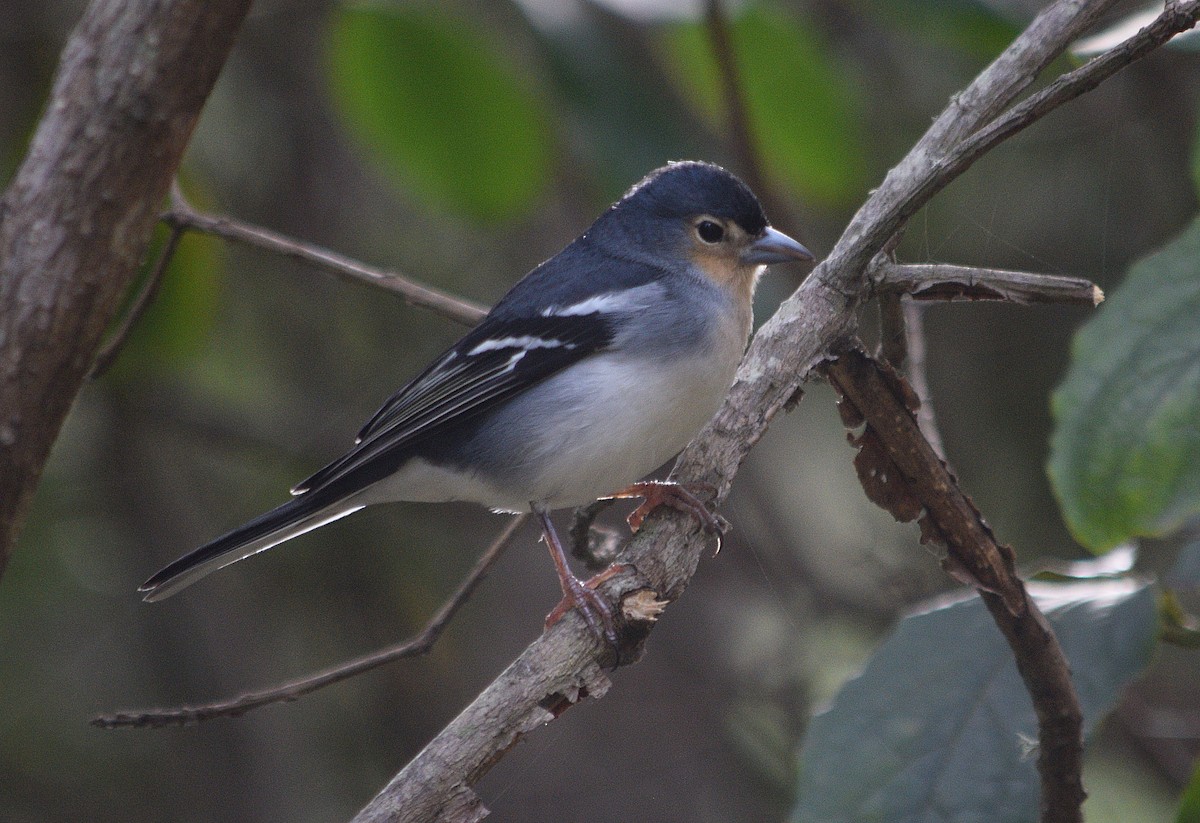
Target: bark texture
77,217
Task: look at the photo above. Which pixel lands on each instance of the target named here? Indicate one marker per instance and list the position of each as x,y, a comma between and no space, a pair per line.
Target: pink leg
597,611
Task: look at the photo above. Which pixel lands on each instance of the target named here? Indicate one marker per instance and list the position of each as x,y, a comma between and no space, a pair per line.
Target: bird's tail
293,518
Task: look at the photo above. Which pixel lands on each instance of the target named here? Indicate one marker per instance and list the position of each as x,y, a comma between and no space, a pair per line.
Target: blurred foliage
978,28
1189,804
939,724
178,321
441,106
803,108
462,143
1125,457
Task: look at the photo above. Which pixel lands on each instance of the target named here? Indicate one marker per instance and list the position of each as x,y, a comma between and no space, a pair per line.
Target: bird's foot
681,496
597,612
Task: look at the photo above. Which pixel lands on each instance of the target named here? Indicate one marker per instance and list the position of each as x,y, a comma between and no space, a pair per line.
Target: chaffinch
597,367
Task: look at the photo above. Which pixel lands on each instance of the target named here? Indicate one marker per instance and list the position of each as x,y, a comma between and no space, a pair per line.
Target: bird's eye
709,231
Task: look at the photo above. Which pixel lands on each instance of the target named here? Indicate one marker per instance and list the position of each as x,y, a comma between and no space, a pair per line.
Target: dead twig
902,473
944,282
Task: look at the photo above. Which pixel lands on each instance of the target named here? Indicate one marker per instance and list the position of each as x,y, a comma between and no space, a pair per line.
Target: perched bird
597,367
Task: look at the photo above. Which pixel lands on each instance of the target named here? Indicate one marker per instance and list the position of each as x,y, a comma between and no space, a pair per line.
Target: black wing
495,361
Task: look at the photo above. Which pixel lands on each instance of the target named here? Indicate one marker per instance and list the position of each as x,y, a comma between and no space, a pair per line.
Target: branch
940,281
76,220
559,668
903,473
182,215
295,689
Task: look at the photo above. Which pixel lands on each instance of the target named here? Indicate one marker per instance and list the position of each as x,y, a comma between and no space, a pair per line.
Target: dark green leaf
1125,454
802,106
441,107
939,726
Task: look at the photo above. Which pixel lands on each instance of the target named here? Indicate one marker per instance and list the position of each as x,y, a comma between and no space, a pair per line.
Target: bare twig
918,374
902,346
182,215
893,332
951,519
295,689
116,340
943,282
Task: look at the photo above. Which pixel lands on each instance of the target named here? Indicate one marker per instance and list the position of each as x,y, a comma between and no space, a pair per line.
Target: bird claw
596,611
680,496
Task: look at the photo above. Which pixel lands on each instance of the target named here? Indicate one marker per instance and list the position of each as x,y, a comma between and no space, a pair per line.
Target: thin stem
295,689
918,374
737,118
182,215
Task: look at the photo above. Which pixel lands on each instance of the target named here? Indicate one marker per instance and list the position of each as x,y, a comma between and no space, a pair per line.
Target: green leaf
939,725
1189,804
1125,453
177,322
441,107
802,107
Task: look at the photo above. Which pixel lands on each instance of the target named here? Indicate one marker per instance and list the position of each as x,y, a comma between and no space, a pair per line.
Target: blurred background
462,143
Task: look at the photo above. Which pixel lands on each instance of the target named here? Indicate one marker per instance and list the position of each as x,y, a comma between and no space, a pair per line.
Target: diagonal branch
1176,17
559,668
183,216
295,689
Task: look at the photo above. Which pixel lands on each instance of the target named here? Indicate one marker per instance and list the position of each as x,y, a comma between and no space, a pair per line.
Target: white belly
617,431
576,437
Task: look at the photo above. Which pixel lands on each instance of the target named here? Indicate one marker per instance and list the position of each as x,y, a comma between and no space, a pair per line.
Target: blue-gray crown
690,188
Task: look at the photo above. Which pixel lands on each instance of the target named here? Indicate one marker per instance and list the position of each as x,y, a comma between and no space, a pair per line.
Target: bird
596,368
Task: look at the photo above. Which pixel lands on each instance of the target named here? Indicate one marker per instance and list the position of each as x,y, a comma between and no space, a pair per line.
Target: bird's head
701,214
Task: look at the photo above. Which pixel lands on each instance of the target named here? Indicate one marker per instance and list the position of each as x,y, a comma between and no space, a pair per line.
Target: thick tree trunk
76,220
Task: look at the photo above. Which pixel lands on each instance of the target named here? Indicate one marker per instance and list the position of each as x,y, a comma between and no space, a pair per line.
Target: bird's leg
597,611
655,493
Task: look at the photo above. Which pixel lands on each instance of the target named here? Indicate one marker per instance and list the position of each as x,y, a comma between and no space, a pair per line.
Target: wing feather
495,361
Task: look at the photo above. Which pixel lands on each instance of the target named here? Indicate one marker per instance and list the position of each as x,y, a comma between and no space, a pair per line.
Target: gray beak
775,247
